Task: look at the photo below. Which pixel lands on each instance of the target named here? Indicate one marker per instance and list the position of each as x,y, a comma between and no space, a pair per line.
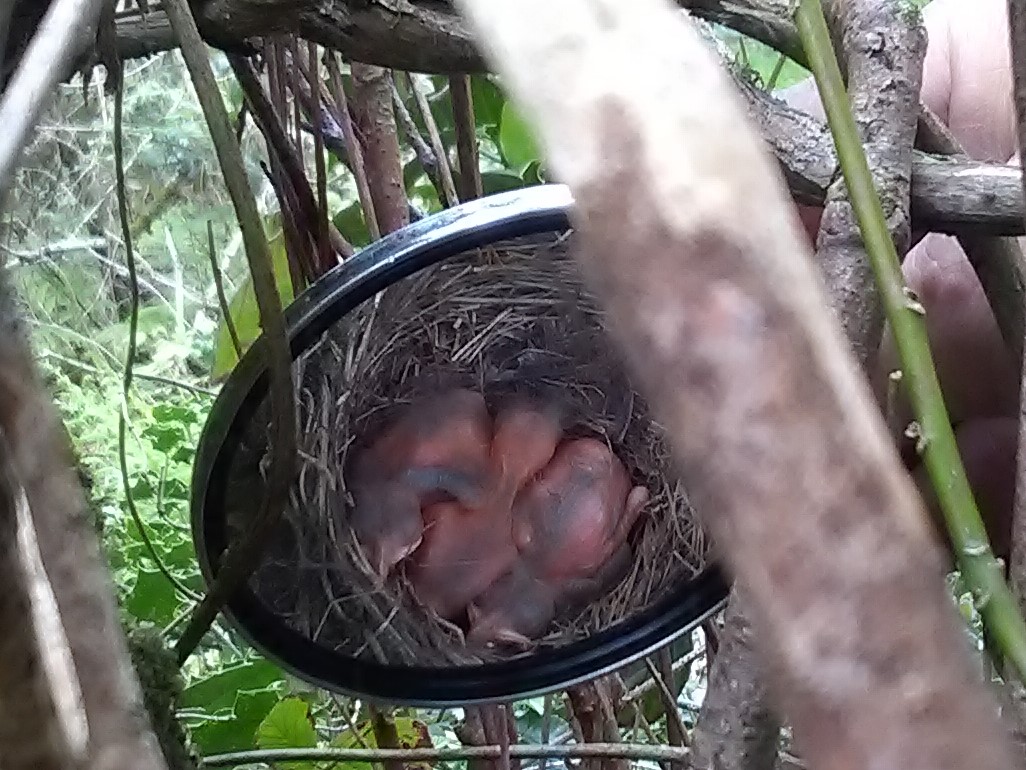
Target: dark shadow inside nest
507,319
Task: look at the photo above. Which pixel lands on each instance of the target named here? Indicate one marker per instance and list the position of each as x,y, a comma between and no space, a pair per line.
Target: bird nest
509,318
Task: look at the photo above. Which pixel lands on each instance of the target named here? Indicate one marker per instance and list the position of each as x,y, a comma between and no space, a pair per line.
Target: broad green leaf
494,182
516,140
537,705
234,731
166,436
244,312
287,726
217,691
489,102
143,489
175,413
352,225
412,732
153,598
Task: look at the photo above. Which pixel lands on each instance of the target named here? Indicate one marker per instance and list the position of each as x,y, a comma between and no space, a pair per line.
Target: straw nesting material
509,318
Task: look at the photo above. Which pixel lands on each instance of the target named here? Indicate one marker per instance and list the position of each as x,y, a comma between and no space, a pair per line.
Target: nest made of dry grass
510,317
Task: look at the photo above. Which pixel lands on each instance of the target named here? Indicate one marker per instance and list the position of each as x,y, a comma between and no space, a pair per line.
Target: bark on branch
737,728
716,305
884,53
40,454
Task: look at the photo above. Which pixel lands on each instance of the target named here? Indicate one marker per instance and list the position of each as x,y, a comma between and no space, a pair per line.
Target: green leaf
412,734
244,312
287,726
537,705
352,225
516,140
489,102
166,436
153,598
175,413
234,731
143,488
494,182
217,691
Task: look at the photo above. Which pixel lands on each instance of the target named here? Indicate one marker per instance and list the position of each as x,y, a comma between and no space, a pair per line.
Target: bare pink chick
464,551
570,526
515,609
436,450
520,606
526,434
578,513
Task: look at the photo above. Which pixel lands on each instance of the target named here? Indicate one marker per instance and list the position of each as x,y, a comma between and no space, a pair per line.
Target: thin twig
425,155
676,730
546,726
284,149
516,751
222,298
354,149
241,558
317,108
771,83
445,176
466,137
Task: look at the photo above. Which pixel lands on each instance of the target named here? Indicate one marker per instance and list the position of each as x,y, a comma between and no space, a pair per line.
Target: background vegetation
63,240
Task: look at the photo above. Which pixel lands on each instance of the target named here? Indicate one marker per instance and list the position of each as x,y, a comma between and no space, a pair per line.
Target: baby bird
570,527
464,550
578,512
526,434
436,450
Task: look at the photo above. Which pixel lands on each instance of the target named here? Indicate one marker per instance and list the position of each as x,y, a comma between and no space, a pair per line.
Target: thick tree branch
118,734
428,36
35,732
375,124
884,51
1017,565
737,728
716,305
414,35
998,262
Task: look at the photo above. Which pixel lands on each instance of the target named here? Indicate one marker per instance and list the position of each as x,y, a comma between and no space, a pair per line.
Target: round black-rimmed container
530,211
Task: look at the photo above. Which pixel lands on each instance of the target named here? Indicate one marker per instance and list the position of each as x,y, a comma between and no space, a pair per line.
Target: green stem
982,570
133,327
775,74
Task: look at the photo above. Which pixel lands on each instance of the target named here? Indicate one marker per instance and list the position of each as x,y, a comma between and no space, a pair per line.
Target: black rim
499,217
